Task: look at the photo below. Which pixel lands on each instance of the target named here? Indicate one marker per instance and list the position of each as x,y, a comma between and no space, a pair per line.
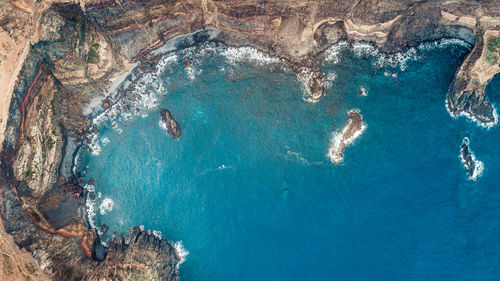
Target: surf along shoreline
148,56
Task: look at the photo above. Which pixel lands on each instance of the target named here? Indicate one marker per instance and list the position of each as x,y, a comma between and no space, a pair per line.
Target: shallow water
251,194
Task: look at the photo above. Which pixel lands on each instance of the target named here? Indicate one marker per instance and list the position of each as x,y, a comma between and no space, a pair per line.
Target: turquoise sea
250,192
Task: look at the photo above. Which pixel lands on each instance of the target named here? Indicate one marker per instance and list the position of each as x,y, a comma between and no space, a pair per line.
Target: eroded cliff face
67,54
297,31
70,63
467,93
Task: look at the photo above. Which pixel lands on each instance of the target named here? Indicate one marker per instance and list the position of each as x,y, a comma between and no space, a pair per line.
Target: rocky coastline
81,50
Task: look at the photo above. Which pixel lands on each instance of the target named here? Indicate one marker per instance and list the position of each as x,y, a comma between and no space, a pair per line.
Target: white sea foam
329,79
162,124
331,76
478,169
478,165
304,76
332,54
93,144
142,98
157,233
223,167
182,253
166,62
75,162
190,73
233,55
126,116
249,54
106,206
399,59
90,205
298,157
473,118
335,154
105,141
444,42
363,92
364,48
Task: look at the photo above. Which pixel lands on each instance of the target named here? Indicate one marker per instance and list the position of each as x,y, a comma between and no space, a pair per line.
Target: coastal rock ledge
59,58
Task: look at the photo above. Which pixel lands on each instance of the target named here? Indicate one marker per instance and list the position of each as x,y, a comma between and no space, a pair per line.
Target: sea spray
339,141
181,252
471,117
106,206
465,152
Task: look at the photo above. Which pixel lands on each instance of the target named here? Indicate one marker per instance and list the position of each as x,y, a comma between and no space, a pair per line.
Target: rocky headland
60,58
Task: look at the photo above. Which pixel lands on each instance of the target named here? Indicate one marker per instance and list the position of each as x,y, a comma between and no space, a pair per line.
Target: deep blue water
251,194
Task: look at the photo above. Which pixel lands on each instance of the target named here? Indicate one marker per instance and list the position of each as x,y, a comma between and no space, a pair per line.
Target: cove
251,194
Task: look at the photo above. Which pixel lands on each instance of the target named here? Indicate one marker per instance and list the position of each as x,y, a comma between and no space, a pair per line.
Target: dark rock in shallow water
473,166
171,125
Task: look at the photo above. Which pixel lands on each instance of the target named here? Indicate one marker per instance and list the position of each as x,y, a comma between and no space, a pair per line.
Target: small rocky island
59,57
473,166
168,122
349,133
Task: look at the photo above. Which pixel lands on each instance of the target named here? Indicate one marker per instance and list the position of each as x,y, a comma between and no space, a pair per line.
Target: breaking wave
181,252
338,143
478,165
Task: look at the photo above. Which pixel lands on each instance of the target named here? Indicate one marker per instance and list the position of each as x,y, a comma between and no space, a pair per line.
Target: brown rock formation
171,125
68,54
473,166
467,94
340,140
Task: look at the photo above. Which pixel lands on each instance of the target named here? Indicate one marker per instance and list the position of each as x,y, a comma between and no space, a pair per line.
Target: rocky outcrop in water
473,166
340,140
172,127
68,52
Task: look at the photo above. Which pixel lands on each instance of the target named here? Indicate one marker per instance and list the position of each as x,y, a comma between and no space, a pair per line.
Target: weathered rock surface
340,140
467,93
171,125
65,53
143,257
473,166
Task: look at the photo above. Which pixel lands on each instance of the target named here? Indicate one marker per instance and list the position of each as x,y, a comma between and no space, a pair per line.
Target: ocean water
251,194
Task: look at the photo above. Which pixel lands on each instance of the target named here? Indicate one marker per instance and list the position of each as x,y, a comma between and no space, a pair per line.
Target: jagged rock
89,43
467,93
473,166
170,124
341,139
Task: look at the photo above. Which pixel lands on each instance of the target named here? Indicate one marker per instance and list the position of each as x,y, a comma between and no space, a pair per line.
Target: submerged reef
62,62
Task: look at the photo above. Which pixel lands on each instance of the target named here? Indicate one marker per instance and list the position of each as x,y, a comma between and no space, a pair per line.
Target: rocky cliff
66,55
